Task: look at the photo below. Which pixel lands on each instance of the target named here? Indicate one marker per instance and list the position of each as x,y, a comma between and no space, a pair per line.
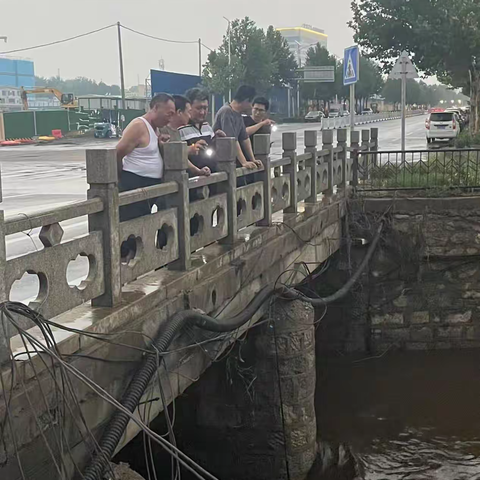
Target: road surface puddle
404,416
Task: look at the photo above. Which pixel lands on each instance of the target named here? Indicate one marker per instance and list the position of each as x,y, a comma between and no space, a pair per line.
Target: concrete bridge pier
253,415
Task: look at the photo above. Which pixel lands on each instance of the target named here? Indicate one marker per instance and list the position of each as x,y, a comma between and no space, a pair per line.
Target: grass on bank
439,169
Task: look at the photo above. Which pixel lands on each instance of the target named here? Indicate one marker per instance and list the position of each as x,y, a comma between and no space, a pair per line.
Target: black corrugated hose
114,431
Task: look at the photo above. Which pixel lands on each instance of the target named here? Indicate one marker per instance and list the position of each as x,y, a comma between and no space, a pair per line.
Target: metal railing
342,122
419,169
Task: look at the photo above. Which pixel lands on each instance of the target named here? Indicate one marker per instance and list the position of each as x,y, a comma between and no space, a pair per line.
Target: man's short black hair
244,93
160,98
181,102
262,101
196,93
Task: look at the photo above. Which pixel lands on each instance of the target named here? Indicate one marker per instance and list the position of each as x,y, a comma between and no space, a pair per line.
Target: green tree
318,56
261,59
78,86
370,81
443,36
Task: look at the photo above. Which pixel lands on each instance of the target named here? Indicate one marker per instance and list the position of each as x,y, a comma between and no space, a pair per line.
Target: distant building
300,39
16,72
10,99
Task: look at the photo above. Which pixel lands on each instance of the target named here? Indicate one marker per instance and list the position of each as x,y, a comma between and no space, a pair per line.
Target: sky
96,56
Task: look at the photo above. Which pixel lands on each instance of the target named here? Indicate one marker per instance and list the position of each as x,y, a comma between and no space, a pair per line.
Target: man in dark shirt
258,123
198,131
229,119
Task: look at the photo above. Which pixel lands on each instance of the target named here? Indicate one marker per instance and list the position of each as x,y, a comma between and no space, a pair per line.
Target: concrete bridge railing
169,236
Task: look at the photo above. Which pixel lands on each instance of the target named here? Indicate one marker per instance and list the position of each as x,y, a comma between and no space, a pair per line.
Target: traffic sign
351,65
319,74
403,67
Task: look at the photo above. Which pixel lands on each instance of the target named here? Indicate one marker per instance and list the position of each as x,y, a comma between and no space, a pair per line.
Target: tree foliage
78,86
261,59
370,81
443,37
318,56
420,93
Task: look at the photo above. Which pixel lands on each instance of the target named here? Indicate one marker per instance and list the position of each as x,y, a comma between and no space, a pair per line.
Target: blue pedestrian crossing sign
351,65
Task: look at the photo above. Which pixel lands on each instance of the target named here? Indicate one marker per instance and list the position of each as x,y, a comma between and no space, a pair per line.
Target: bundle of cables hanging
138,385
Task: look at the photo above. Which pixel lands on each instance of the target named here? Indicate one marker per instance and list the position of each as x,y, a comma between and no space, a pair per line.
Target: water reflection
410,416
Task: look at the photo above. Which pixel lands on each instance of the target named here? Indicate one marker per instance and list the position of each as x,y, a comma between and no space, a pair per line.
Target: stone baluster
289,145
365,138
374,137
226,161
364,161
102,176
342,156
311,139
176,164
261,145
355,145
4,339
327,138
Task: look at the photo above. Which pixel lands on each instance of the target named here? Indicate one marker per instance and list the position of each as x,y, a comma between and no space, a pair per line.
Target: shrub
467,140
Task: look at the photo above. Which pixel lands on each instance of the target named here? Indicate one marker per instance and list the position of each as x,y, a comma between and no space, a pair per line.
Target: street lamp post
120,58
229,58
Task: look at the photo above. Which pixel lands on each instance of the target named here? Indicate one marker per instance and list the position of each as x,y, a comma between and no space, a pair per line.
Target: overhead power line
158,38
189,42
58,41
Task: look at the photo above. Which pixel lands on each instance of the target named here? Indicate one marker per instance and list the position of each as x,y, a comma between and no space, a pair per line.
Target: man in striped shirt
199,132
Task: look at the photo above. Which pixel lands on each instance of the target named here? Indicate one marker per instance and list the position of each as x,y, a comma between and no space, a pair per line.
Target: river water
404,416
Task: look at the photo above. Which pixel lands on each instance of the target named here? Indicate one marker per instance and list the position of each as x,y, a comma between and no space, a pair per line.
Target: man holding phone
198,131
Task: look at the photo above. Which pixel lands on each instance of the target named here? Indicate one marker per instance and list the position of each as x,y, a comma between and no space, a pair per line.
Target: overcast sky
96,56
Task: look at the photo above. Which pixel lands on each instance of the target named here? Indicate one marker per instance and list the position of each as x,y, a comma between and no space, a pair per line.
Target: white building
10,99
300,39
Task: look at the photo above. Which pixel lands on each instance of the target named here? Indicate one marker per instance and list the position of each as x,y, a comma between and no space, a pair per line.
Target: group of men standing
184,118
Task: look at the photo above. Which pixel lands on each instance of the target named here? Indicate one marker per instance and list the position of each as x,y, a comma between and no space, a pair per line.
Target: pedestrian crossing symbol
351,65
350,73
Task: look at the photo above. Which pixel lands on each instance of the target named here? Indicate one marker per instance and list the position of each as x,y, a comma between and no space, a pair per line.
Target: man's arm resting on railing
241,157
131,139
247,145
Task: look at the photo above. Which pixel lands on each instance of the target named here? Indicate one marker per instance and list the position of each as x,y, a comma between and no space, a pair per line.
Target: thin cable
110,399
58,41
158,38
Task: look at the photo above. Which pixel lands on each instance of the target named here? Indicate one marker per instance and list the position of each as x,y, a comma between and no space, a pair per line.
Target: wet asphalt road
47,176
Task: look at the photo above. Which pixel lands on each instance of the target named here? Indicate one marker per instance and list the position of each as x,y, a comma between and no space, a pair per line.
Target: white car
334,113
442,125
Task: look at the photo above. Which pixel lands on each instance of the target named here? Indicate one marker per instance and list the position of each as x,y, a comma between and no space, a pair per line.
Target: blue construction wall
173,83
16,73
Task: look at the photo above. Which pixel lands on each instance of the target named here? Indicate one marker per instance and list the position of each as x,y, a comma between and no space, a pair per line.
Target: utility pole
352,107
120,56
229,57
403,70
404,101
200,57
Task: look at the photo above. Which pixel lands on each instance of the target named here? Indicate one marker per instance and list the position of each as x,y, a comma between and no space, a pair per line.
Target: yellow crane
67,100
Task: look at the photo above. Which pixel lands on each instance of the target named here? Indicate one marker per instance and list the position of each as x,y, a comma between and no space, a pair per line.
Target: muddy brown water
404,416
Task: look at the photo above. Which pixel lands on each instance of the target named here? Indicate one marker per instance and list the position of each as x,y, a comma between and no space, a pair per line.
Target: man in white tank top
140,163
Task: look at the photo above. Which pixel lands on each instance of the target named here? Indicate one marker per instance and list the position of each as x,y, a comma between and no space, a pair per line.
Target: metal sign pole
352,107
404,101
